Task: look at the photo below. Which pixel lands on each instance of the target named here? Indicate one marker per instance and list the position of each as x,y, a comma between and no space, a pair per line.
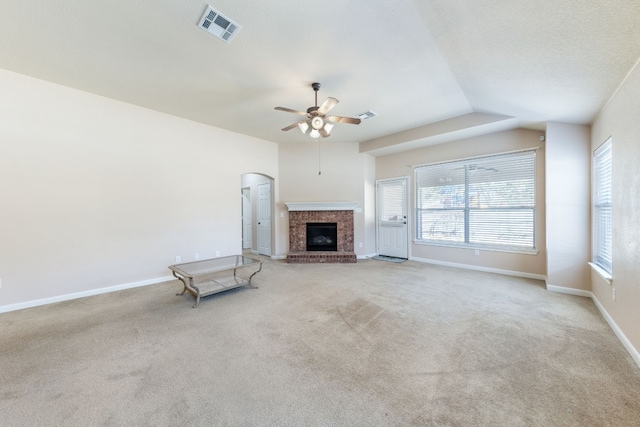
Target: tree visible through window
481,202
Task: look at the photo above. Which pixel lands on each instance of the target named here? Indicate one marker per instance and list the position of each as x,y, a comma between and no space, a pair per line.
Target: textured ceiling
417,64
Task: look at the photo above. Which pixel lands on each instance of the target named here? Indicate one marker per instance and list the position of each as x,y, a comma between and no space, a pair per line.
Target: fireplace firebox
322,236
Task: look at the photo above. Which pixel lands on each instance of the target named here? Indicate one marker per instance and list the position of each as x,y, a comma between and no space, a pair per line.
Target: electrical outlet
360,244
477,251
217,253
613,294
196,257
178,259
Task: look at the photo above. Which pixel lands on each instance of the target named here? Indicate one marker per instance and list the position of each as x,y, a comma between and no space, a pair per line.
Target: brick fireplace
339,213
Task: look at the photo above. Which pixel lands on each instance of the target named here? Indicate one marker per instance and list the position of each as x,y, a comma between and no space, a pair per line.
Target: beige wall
346,176
97,193
619,119
568,205
369,206
400,164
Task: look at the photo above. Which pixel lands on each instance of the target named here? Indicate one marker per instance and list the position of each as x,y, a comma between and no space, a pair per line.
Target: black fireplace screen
322,236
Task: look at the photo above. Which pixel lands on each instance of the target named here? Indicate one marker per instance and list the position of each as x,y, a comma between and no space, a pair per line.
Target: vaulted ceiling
431,70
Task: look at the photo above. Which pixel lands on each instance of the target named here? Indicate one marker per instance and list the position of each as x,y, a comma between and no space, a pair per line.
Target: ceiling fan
317,122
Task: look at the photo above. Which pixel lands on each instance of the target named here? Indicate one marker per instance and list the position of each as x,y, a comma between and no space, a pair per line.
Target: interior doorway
257,213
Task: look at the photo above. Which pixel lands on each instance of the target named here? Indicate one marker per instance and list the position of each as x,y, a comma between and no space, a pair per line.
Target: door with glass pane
391,217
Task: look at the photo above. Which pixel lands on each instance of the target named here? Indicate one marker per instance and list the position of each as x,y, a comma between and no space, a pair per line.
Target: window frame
602,252
467,207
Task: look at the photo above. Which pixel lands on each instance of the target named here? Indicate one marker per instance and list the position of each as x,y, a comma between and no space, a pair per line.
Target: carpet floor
371,343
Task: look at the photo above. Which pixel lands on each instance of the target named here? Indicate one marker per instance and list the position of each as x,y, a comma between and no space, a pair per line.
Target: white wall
568,205
369,207
97,193
400,164
346,176
619,119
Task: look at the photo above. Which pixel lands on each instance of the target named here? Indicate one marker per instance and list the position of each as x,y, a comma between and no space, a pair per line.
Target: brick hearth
298,236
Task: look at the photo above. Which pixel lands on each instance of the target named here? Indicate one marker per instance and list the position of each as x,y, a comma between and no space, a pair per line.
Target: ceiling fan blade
340,119
293,125
324,132
327,105
289,110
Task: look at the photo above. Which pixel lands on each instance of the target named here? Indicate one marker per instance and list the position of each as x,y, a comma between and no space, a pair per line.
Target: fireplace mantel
321,206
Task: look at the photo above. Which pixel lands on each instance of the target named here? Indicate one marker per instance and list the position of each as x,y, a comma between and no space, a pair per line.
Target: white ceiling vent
367,115
218,25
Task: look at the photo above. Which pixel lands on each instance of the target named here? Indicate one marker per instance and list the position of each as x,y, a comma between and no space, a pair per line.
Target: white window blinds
480,202
602,164
392,201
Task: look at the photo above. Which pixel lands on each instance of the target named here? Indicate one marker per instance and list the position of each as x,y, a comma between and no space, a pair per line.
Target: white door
264,219
391,216
246,219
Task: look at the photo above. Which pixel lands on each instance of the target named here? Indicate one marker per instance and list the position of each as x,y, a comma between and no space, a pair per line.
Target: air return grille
367,115
218,25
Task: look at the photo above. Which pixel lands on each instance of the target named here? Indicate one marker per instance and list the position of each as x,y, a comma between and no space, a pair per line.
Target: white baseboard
479,268
635,355
75,295
621,336
367,256
276,257
570,291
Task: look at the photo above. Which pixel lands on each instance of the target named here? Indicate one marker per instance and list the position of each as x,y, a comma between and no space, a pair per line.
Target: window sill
601,272
479,247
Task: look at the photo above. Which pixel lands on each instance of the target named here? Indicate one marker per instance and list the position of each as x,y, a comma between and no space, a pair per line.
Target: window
486,202
602,158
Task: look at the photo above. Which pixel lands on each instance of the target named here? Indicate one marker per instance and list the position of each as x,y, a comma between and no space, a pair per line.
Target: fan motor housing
317,123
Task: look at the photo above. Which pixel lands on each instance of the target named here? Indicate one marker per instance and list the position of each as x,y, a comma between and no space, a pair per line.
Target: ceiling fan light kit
317,122
304,126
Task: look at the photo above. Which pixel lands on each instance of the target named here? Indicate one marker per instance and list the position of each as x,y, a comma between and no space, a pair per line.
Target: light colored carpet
372,343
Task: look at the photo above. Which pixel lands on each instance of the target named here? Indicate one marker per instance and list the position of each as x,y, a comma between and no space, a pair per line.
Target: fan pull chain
319,169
